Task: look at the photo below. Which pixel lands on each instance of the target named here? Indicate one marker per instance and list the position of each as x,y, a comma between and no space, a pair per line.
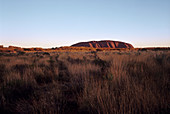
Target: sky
55,23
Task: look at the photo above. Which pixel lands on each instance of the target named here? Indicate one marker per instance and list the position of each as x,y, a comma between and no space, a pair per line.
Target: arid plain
84,80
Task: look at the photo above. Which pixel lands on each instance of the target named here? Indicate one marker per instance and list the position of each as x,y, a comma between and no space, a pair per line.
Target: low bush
86,82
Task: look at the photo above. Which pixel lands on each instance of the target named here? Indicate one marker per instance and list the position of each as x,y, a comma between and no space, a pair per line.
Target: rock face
103,44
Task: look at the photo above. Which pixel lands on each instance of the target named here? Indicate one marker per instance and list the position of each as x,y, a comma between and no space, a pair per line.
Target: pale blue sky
54,23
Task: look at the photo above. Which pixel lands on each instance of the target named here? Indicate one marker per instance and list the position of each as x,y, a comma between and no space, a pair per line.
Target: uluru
103,44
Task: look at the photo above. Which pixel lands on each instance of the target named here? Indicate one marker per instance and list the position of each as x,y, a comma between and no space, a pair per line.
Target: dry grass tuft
108,82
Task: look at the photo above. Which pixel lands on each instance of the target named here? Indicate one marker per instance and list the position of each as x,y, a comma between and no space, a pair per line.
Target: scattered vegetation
127,82
15,49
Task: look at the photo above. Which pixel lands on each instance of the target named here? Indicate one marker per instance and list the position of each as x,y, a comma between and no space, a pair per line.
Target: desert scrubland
98,82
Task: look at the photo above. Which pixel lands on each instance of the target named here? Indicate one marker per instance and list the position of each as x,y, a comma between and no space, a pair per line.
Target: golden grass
130,82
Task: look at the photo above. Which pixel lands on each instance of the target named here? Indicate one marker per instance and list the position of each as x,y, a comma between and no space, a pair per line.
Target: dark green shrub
21,52
56,58
51,61
46,53
108,76
74,61
20,68
100,62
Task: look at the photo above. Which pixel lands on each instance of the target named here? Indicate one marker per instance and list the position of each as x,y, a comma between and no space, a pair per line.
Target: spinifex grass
85,82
